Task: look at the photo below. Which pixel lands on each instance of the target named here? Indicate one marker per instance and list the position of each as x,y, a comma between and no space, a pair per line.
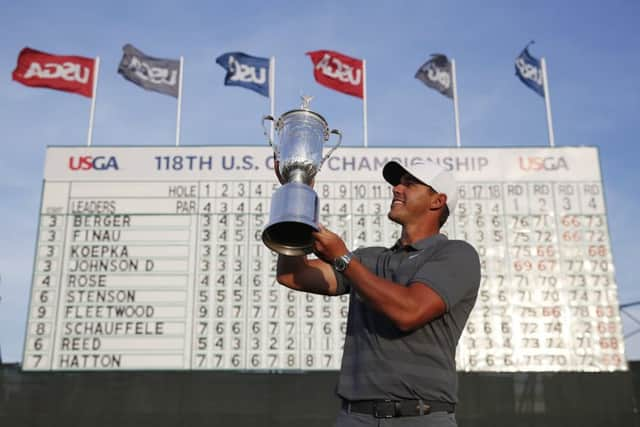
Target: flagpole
364,100
179,102
547,102
455,102
93,99
272,94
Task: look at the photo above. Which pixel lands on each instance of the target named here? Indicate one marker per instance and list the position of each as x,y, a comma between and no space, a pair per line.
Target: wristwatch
341,263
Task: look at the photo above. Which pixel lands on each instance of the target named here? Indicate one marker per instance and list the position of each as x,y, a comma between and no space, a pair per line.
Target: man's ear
439,201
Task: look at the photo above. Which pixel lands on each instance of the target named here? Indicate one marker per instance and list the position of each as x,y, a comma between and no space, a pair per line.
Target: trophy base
289,238
293,217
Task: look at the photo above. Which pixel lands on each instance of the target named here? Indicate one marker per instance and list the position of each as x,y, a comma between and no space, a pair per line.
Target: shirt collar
420,244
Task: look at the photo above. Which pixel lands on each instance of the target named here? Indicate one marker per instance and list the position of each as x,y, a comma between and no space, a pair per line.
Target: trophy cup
294,206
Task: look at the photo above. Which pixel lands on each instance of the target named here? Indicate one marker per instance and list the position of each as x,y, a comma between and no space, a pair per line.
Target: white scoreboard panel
151,258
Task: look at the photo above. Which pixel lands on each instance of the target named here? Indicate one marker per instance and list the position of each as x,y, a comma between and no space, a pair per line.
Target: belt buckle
426,408
384,409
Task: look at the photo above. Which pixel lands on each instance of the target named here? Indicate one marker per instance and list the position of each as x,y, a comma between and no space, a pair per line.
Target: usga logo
68,71
340,71
246,73
533,163
85,163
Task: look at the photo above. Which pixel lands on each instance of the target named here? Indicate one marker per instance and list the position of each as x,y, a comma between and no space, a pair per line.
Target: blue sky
590,46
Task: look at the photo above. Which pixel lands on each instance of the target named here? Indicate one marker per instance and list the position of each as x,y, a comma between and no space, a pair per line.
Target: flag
338,72
155,74
250,72
67,73
437,74
529,71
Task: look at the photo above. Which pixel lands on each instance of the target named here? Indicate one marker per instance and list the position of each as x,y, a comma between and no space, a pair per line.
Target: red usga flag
68,73
337,71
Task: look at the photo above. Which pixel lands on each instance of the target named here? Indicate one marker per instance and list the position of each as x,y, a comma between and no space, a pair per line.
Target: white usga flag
155,74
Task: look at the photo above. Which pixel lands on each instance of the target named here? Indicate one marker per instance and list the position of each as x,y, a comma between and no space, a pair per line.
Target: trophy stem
298,175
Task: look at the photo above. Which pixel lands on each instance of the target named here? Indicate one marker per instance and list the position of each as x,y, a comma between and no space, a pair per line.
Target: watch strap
342,262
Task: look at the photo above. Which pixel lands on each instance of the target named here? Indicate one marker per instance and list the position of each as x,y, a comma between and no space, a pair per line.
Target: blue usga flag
245,70
529,71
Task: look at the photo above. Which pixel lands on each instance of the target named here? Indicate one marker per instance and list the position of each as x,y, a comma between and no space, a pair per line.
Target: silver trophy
294,206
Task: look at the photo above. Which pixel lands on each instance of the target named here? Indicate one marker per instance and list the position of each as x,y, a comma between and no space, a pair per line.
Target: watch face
341,263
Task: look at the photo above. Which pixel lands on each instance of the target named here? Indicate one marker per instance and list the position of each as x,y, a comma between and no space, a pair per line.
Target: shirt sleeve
453,272
344,286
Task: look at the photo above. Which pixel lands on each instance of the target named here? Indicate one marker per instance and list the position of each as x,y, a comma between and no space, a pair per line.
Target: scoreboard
151,258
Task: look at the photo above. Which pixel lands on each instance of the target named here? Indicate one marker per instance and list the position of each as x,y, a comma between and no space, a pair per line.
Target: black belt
396,408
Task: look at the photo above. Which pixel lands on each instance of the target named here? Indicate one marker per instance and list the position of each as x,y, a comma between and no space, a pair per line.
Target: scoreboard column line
67,214
508,281
351,234
189,349
567,330
246,291
521,335
571,356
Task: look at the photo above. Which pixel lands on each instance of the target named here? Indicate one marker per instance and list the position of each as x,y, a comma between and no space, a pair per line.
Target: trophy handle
336,132
266,132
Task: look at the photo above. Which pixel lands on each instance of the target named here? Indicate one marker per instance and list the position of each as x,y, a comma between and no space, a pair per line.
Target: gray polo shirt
382,362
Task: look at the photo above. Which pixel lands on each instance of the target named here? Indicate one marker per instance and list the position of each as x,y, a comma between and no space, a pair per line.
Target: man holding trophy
408,303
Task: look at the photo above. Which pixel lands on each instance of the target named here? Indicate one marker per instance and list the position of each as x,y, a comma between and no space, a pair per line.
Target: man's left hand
328,245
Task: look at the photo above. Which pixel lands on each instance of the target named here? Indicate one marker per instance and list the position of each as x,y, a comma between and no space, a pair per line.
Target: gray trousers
436,419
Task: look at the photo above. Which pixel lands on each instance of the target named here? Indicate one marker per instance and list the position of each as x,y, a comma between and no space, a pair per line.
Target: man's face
411,200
